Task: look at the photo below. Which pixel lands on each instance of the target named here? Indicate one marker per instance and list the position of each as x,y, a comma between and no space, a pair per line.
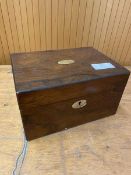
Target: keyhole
79,103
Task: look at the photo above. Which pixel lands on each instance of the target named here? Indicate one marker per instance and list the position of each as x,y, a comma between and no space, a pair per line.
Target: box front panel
41,119
59,116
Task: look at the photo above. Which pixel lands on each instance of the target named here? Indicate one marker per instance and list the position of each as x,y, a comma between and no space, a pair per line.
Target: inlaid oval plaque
66,61
79,104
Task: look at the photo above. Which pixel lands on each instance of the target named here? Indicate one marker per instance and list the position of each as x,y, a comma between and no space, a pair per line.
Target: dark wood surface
42,115
40,70
46,90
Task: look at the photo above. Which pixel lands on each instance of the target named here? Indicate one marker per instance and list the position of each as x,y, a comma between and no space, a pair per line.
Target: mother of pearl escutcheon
79,104
66,61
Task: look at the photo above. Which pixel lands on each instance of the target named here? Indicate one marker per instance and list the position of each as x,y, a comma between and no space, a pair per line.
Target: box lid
48,69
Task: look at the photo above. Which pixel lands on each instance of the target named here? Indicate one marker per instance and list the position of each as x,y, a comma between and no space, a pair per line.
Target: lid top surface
48,69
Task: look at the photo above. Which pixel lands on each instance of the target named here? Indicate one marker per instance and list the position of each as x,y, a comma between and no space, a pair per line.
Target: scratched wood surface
99,147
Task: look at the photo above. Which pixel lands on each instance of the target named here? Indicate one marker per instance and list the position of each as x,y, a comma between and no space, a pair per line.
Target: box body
57,90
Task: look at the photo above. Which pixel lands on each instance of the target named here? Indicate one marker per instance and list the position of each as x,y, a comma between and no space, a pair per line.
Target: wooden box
61,89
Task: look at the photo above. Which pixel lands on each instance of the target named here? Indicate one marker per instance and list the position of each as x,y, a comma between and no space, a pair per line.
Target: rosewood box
65,88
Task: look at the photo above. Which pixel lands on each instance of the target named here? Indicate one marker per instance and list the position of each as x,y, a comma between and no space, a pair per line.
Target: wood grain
74,22
36,19
111,22
34,25
24,20
54,24
4,43
29,9
104,143
48,24
13,25
106,20
18,17
42,23
56,75
80,26
93,24
116,25
46,101
1,53
99,24
7,25
68,15
87,22
61,20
